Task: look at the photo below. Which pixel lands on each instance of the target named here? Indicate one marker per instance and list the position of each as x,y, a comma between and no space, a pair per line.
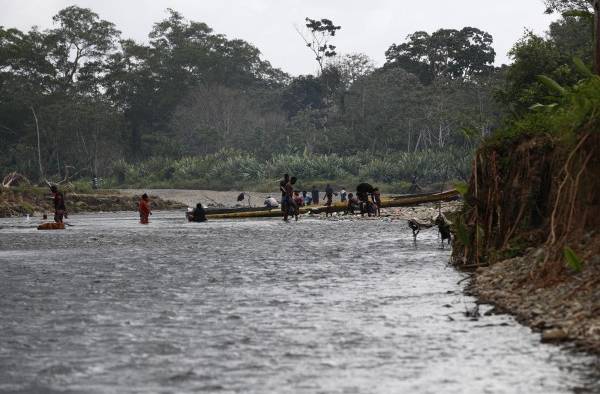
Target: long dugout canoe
386,202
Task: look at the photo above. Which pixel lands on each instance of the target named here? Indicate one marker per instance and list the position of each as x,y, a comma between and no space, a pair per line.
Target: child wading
144,209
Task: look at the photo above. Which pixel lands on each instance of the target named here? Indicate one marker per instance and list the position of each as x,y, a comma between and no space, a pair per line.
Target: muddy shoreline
567,311
37,201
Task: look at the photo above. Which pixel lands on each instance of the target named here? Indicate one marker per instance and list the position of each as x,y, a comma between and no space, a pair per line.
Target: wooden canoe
216,211
51,226
386,202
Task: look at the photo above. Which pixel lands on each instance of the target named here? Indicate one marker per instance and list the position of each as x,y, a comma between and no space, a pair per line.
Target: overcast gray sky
367,26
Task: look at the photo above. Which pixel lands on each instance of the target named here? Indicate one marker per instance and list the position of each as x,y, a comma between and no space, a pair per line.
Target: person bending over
353,203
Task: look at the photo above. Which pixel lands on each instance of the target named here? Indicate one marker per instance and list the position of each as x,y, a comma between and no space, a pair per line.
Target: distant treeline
194,105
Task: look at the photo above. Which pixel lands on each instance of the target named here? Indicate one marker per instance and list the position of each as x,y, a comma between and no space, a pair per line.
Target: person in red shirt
144,209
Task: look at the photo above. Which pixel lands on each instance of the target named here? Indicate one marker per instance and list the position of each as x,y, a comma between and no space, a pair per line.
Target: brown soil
527,201
37,201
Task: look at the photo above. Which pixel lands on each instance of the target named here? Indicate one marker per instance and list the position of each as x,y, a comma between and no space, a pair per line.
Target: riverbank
530,229
566,310
36,201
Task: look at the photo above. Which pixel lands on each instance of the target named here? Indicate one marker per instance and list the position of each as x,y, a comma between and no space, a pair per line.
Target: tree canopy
446,53
99,104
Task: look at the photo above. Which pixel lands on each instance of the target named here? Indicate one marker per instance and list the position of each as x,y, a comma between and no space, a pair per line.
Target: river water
257,306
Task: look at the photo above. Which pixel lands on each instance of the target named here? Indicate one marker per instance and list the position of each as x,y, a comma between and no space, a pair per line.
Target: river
261,306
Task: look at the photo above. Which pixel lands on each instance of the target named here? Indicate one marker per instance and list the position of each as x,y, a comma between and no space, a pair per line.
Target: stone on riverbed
554,335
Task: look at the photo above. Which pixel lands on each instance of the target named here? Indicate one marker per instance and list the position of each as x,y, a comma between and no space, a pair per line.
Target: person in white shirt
270,202
343,195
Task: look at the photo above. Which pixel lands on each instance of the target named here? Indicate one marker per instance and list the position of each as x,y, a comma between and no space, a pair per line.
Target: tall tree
318,38
81,44
454,54
352,67
581,8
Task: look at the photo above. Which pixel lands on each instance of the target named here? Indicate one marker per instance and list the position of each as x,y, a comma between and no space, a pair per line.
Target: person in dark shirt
60,210
282,184
362,192
328,200
315,195
199,214
288,199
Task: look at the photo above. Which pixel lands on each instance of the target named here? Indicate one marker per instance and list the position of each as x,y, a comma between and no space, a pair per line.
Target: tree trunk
37,130
597,36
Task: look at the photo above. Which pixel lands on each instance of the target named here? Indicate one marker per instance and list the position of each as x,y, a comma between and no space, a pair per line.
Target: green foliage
582,68
81,186
231,169
462,232
192,107
461,187
321,32
446,53
568,6
573,261
576,110
551,84
550,56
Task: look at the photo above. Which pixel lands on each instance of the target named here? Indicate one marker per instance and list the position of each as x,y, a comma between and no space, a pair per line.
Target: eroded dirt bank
529,204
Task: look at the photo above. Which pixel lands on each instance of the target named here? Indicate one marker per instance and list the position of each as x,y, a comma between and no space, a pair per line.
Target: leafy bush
232,168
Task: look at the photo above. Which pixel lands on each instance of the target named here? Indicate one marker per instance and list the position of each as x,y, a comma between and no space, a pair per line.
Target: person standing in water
315,195
307,198
144,209
343,195
328,200
288,200
282,185
377,200
60,210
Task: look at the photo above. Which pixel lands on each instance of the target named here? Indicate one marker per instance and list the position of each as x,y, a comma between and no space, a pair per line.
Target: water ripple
254,306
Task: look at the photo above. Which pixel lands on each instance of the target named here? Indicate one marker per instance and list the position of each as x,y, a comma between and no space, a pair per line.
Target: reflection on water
254,306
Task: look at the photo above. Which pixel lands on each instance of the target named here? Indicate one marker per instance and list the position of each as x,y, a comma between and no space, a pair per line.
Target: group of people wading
60,209
367,199
197,214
